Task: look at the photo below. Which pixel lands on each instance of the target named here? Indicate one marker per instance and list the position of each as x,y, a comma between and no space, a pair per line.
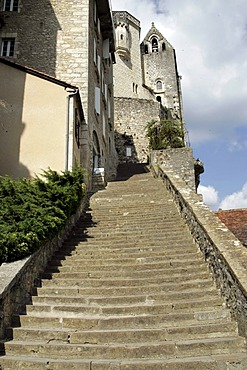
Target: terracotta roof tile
236,221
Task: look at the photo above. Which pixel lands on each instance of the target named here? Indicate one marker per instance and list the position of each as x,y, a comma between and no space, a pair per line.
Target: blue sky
210,39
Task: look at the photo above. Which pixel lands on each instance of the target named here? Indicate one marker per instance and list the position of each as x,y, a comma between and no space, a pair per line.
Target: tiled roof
236,221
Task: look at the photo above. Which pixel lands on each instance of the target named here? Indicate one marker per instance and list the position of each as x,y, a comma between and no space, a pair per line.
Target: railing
226,256
18,279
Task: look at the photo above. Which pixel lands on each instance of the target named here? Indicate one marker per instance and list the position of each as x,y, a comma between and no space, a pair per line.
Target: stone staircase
128,290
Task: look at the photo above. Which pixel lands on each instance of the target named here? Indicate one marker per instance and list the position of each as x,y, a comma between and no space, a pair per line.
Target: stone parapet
180,161
225,254
17,279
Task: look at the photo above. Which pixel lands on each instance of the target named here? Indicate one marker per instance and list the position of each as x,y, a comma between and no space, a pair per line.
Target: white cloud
235,200
210,195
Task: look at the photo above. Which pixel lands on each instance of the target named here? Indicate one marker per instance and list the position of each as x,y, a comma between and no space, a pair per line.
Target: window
159,85
97,100
7,47
154,45
11,5
121,36
128,151
106,48
104,125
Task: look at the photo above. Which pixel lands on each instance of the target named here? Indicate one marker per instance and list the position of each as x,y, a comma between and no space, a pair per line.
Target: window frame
10,47
11,6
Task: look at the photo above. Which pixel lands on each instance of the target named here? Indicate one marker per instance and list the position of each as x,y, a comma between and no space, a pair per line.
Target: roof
236,221
36,73
155,32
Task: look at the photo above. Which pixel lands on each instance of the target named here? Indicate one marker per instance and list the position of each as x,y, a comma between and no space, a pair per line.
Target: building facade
73,42
146,86
41,122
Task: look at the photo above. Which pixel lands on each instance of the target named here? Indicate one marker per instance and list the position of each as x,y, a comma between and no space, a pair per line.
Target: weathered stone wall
179,159
162,66
65,39
128,74
17,279
226,256
131,118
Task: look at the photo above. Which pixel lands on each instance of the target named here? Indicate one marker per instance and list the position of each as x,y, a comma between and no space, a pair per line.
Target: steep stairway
128,291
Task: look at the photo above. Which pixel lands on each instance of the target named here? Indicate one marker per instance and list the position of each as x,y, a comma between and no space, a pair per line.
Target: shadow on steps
127,170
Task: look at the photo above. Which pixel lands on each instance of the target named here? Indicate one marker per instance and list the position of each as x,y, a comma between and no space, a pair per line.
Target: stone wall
65,39
226,256
179,159
128,74
17,279
131,118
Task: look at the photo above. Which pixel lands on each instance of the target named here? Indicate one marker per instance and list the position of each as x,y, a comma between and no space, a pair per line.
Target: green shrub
165,134
33,211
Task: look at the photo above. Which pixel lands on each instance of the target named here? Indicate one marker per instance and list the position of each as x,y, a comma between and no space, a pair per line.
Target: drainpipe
69,96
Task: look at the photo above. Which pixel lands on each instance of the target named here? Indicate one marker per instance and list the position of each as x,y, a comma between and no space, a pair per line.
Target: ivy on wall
165,134
33,211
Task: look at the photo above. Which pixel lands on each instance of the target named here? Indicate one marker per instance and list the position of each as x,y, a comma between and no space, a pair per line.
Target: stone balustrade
225,254
17,279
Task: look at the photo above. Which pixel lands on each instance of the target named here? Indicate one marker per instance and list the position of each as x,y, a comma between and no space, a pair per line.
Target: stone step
128,271
92,243
168,349
215,330
100,322
79,289
132,262
129,248
146,274
117,301
214,362
77,281
95,252
149,308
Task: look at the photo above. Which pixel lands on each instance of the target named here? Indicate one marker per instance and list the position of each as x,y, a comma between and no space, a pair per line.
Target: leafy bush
165,134
33,211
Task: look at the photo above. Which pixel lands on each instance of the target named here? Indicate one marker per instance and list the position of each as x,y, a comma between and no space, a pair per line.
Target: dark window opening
158,99
7,47
154,45
146,49
121,36
163,46
11,5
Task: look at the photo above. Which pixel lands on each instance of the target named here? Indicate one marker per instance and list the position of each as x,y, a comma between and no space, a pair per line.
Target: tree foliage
33,211
165,134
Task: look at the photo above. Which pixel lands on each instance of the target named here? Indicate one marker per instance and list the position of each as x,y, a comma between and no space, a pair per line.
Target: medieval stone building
146,85
73,42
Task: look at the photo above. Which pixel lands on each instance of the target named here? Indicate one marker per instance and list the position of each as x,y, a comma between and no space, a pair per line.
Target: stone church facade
146,86
72,41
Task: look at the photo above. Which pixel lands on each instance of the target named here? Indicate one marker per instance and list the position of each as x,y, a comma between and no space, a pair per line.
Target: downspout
69,96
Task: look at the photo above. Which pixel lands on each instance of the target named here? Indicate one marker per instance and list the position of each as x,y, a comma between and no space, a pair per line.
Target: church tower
160,71
146,86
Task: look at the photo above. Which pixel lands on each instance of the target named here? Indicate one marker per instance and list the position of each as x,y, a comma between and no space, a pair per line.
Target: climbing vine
165,134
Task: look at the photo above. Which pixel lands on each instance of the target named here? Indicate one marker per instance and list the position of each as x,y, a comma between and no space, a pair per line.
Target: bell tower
160,71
